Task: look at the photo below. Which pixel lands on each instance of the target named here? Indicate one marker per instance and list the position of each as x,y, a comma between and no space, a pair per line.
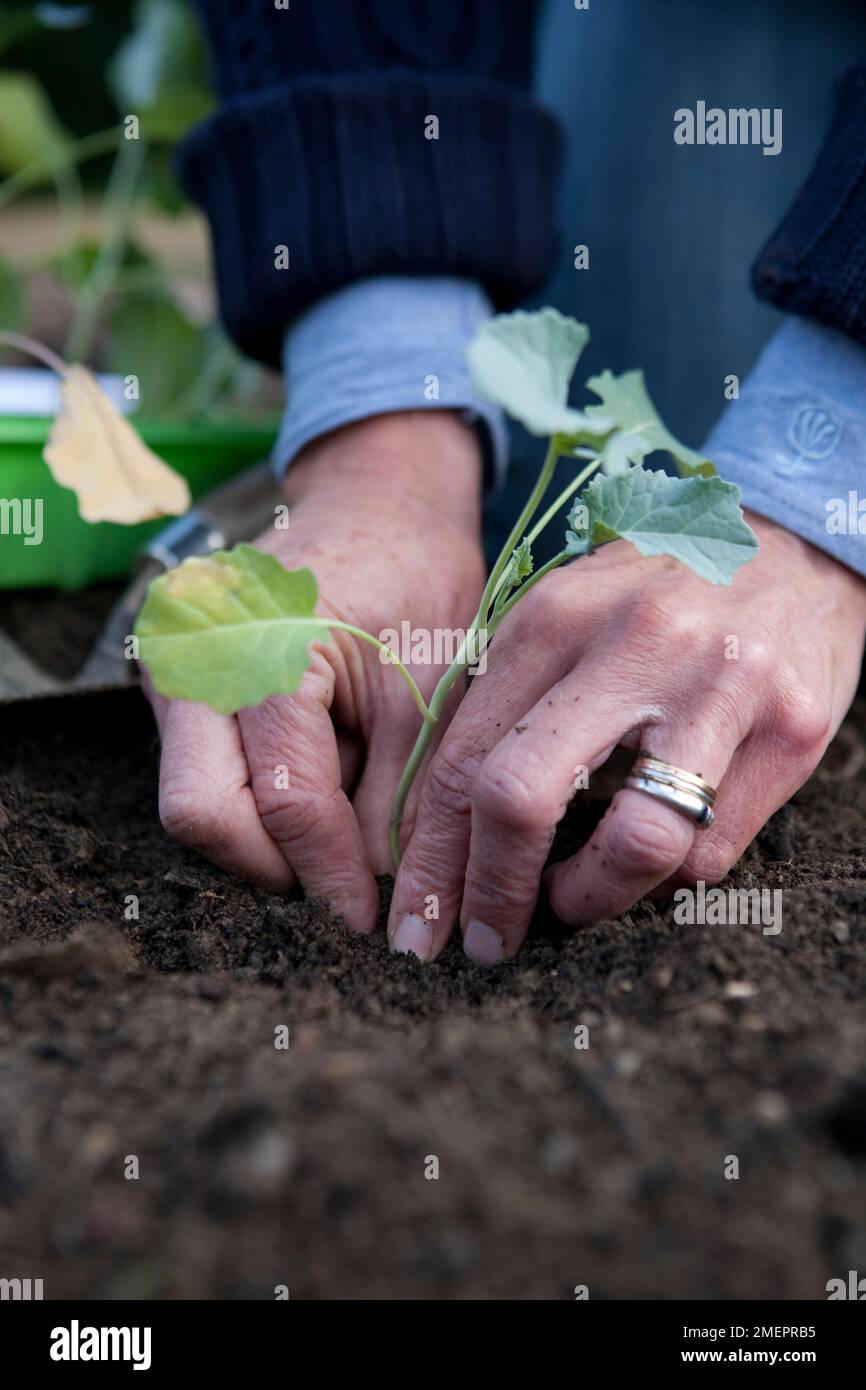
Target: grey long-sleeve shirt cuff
795,441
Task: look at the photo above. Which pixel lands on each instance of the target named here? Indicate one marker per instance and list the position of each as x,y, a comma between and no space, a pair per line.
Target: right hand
386,513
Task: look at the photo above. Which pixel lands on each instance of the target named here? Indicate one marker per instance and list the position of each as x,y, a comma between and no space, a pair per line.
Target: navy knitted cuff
815,262
340,171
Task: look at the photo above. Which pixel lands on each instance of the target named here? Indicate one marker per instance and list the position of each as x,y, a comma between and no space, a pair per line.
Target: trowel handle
243,506
236,511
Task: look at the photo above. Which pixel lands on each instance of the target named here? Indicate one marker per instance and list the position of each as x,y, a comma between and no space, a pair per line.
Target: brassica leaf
640,429
229,629
524,362
697,521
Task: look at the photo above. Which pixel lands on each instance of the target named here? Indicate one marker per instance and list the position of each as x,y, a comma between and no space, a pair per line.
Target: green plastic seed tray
73,552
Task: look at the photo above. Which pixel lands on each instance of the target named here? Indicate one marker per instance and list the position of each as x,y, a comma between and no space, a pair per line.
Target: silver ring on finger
684,791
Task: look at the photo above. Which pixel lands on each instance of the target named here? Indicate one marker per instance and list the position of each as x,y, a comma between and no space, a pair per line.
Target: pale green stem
552,511
533,502
499,613
460,663
219,367
100,142
563,498
524,588
463,658
480,621
70,203
119,200
426,710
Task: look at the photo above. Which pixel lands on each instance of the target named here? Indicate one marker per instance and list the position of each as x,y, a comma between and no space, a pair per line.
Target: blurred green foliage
71,76
29,129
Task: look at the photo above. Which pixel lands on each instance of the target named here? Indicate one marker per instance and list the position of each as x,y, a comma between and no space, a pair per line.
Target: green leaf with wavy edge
524,362
640,429
230,629
697,521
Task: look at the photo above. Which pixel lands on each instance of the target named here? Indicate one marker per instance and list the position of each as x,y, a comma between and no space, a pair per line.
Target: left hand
619,649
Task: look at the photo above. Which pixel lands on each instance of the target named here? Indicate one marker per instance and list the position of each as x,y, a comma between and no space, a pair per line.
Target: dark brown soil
306,1167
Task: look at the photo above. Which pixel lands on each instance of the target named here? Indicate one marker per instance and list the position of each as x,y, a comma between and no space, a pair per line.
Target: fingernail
482,944
414,936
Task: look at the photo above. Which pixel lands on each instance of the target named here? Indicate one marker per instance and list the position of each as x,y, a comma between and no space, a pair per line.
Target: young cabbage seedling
235,628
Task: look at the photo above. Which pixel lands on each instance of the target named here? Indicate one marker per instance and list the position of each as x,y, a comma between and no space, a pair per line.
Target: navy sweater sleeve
815,262
322,145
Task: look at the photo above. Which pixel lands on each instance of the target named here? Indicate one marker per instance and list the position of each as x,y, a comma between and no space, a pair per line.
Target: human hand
744,686
387,514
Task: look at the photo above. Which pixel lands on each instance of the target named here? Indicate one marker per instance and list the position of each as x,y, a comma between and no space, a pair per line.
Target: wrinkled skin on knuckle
504,891
737,693
514,794
449,783
191,812
647,846
429,864
271,798
723,711
758,663
681,652
291,817
286,811
708,861
665,624
277,720
418,881
424,874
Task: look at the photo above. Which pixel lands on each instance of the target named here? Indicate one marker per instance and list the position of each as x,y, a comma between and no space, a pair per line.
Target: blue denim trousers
672,229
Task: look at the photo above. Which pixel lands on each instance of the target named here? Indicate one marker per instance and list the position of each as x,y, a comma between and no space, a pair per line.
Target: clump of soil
147,1043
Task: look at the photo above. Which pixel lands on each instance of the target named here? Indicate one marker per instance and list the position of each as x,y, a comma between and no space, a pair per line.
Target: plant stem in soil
485,622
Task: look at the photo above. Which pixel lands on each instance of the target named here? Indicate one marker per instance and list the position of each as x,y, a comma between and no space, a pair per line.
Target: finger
521,795
391,741
641,842
291,749
429,886
205,799
764,774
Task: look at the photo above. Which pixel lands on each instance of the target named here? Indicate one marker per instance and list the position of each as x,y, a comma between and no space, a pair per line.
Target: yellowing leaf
96,452
230,629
